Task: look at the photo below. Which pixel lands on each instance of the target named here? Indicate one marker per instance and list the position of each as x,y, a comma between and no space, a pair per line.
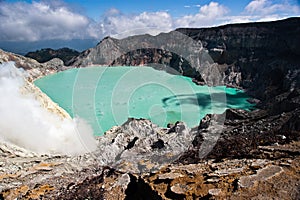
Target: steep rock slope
34,68
266,54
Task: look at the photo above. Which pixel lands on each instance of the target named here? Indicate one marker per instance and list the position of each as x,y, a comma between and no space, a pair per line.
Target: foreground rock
140,169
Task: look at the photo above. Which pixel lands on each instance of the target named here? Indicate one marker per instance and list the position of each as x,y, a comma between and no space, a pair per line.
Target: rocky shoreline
234,155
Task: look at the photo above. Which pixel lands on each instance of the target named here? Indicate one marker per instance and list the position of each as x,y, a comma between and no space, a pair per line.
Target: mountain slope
44,55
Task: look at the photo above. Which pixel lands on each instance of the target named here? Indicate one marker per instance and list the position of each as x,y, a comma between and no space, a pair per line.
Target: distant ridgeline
23,47
44,55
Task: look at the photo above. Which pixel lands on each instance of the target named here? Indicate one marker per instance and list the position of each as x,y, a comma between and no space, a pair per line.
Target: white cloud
267,7
119,25
264,10
255,5
208,15
40,20
250,18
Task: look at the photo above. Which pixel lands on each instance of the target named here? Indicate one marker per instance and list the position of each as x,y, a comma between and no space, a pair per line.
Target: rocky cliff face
266,54
34,68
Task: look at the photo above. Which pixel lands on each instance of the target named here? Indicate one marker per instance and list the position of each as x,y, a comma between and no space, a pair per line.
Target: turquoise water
107,96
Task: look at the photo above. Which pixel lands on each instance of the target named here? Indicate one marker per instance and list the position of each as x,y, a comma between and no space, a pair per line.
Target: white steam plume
26,123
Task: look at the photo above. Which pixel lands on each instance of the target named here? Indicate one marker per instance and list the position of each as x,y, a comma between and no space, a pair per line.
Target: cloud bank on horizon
46,20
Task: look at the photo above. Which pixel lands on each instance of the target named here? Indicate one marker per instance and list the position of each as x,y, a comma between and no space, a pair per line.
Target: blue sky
177,8
80,19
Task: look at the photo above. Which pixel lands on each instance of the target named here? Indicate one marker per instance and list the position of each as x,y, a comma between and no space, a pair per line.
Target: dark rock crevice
139,190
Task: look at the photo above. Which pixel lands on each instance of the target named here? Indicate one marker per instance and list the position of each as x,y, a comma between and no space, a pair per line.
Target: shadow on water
198,99
205,100
236,99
